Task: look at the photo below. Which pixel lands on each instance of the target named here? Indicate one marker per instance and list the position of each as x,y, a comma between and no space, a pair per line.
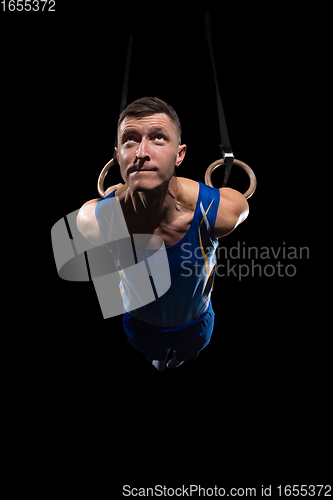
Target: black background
251,409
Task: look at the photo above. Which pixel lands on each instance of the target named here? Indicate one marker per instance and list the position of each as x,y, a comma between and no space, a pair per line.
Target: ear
180,155
117,154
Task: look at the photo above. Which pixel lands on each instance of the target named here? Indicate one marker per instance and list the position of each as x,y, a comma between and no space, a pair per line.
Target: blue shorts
187,340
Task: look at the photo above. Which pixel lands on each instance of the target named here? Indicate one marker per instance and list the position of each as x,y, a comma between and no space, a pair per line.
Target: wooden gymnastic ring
100,182
244,166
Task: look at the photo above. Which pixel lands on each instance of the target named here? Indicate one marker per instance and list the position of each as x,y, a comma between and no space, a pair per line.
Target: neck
158,204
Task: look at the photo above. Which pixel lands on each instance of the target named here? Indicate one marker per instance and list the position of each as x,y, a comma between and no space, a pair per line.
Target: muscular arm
86,220
233,210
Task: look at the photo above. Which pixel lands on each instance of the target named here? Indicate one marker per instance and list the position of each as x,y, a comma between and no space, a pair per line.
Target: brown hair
146,106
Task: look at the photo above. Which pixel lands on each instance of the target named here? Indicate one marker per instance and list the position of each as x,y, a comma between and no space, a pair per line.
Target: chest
171,232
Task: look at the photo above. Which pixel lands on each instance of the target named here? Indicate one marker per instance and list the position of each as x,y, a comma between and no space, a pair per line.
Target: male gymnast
189,216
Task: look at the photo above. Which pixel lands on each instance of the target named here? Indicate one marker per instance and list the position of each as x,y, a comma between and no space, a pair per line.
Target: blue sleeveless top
192,262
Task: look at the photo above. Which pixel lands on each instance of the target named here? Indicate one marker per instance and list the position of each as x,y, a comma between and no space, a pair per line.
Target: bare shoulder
87,223
190,191
233,210
232,199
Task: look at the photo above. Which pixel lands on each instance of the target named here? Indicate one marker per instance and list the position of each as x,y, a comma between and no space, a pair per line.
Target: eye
130,138
159,138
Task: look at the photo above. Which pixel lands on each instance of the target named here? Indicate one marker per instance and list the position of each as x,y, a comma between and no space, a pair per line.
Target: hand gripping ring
244,166
100,182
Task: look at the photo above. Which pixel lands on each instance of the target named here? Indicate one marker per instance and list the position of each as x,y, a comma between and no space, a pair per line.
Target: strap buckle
227,154
228,157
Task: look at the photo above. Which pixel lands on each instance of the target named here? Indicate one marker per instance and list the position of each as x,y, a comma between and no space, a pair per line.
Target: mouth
136,171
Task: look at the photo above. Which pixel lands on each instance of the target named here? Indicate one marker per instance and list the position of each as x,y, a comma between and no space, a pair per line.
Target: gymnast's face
148,151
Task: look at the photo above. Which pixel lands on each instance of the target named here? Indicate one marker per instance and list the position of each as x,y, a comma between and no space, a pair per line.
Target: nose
142,151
